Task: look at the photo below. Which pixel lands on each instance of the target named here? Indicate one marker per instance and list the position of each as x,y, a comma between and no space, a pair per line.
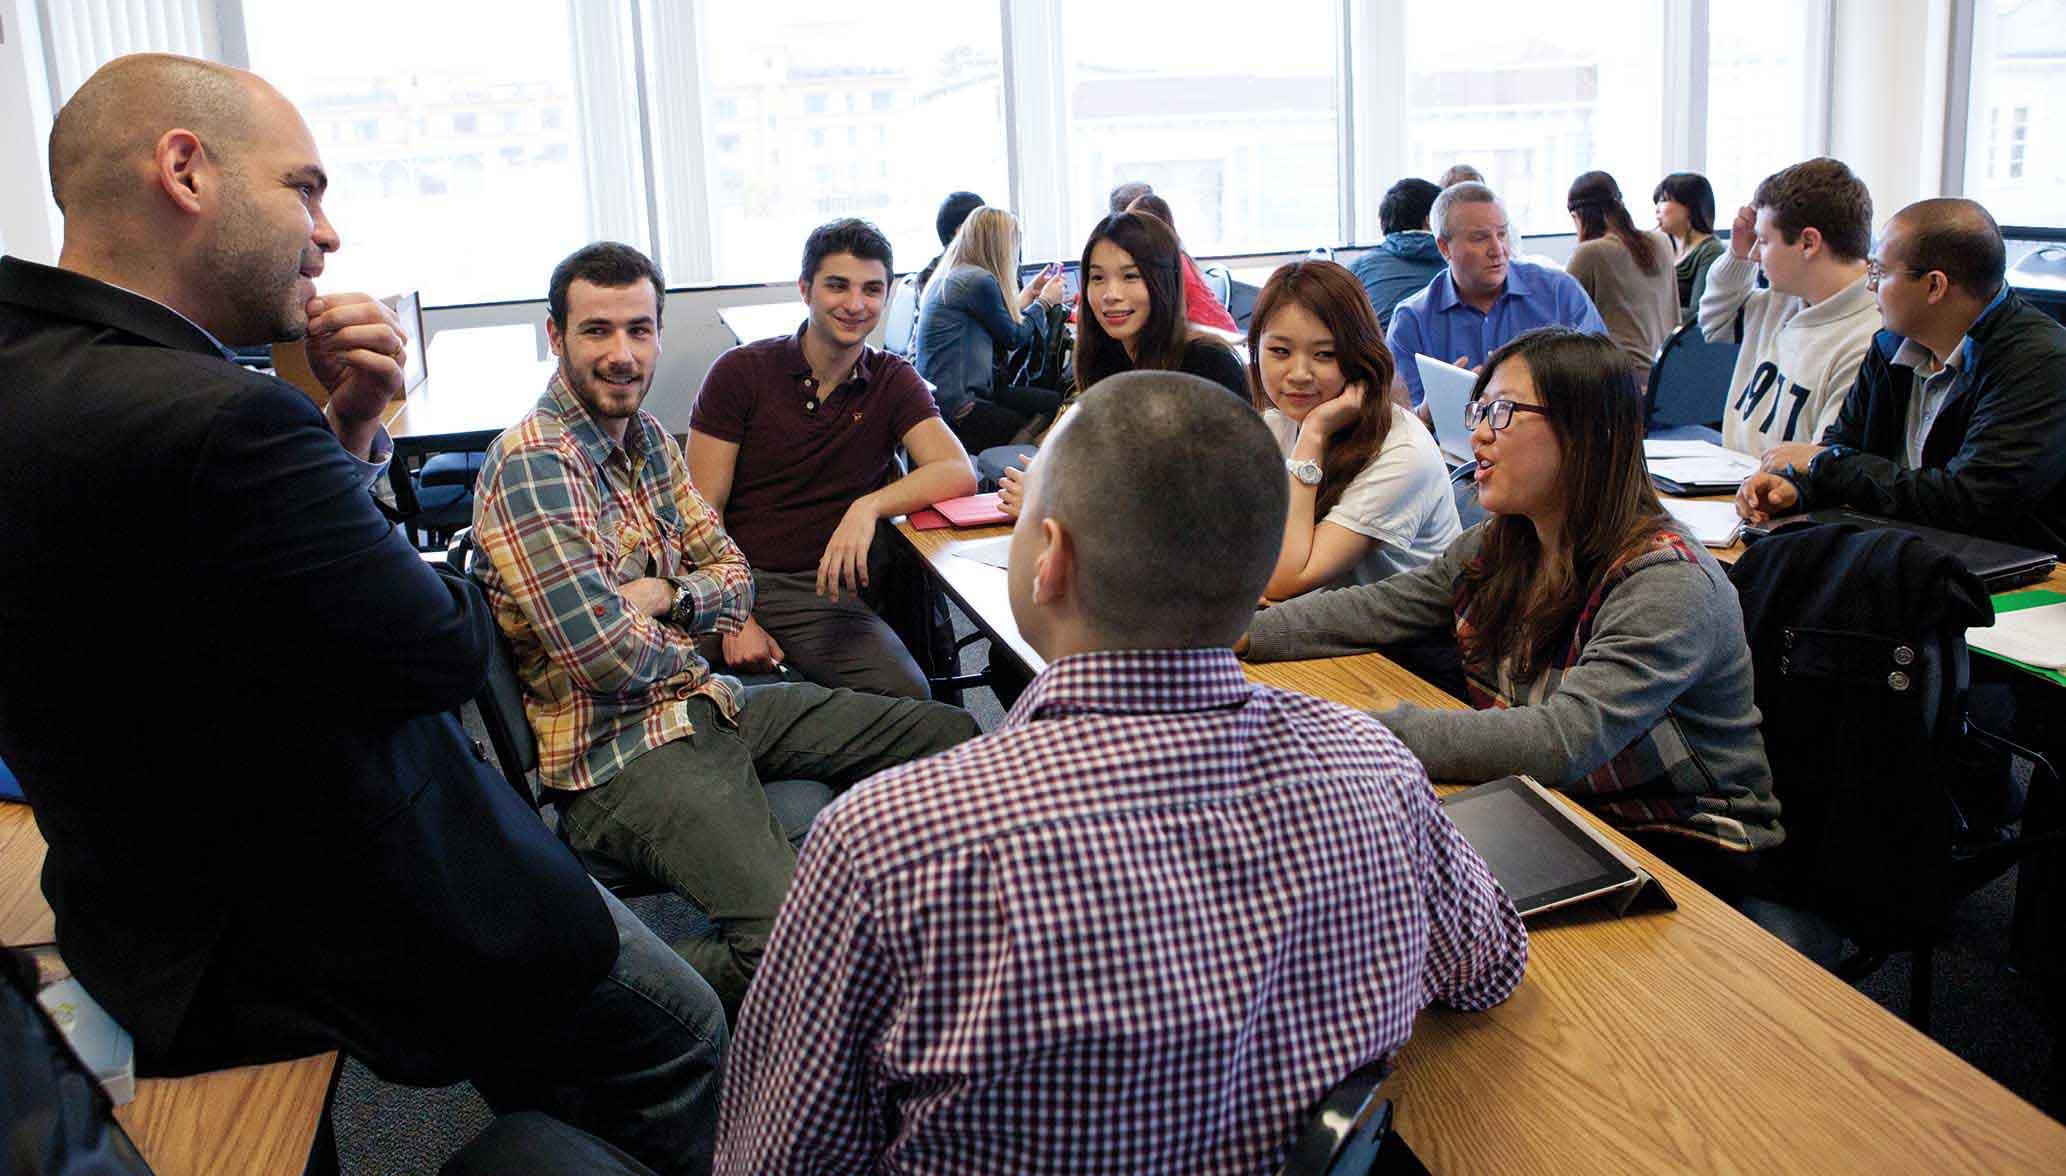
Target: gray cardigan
1652,724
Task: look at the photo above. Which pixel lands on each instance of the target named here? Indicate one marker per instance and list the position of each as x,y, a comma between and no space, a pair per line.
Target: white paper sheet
994,552
2033,635
1714,524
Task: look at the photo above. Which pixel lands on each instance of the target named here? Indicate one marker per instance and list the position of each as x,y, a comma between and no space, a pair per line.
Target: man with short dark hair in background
1101,918
1958,416
794,441
605,566
1407,259
230,686
947,222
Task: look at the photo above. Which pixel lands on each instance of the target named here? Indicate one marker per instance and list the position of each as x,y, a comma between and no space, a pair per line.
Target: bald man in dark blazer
228,684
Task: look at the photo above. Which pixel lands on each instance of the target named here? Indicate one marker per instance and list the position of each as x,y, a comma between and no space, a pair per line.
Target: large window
2016,131
1232,119
1533,94
474,142
451,134
1761,81
820,111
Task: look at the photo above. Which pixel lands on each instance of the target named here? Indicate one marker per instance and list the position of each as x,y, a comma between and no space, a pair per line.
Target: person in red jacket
1201,305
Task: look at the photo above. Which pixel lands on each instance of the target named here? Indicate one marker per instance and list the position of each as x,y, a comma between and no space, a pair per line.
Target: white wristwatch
1307,472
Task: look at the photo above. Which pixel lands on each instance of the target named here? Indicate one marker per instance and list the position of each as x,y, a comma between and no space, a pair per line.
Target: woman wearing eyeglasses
1604,651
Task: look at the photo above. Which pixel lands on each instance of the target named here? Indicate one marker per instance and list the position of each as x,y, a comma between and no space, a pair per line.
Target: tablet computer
1542,855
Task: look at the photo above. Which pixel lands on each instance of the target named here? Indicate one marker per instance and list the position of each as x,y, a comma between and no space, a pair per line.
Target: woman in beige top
1628,273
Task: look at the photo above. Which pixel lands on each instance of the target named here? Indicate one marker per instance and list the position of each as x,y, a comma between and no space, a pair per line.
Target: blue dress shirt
1435,322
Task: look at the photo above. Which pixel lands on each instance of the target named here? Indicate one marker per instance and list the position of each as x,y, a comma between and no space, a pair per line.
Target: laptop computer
1445,389
1072,276
2000,566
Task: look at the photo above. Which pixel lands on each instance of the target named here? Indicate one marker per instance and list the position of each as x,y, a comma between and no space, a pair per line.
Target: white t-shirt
1401,498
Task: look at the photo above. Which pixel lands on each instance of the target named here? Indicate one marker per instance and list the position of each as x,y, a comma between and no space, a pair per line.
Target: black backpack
1048,362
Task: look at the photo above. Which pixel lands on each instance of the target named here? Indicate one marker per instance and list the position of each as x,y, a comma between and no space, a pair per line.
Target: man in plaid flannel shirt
603,566
1150,920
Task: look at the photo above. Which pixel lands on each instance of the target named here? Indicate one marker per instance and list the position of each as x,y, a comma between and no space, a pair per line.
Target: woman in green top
1685,211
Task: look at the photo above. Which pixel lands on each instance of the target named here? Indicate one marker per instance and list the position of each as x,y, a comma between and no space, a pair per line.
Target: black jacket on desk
227,685
1994,463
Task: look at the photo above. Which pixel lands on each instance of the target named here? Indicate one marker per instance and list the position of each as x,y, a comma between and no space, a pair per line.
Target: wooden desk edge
251,1119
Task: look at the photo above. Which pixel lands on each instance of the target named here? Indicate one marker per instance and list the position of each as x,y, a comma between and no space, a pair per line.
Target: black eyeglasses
1499,412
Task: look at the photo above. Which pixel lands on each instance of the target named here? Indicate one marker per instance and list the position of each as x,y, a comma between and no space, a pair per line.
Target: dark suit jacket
1994,463
226,683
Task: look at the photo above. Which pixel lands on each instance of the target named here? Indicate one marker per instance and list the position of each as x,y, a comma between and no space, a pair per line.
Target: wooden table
253,1119
751,324
1661,1042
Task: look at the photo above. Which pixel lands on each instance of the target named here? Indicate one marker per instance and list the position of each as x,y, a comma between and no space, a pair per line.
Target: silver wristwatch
1307,472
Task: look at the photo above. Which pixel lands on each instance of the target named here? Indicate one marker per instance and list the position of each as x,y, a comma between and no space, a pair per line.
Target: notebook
976,510
1543,854
925,518
1446,389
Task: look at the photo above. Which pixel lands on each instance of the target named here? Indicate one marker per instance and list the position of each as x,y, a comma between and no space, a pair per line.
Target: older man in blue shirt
1485,297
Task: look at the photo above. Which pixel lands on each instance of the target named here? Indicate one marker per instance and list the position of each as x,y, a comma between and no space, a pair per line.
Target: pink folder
977,510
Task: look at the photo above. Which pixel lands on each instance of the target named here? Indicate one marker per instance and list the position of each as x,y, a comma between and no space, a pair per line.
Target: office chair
1689,387
1350,1133
434,504
1241,301
1858,648
795,803
1220,280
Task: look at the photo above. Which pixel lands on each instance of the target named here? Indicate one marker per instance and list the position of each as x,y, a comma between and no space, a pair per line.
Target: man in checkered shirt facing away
1159,912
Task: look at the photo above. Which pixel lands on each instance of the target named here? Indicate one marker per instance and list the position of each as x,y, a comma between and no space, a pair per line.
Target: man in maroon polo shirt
793,440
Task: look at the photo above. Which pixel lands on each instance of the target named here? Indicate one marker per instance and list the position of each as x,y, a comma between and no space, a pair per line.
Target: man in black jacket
1958,417
228,683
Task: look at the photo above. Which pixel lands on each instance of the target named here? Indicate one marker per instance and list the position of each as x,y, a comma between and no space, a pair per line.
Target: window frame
673,218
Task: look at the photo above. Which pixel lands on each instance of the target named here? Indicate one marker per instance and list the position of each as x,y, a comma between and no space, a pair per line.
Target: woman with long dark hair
1603,649
1623,269
1369,492
1685,212
1132,312
1130,316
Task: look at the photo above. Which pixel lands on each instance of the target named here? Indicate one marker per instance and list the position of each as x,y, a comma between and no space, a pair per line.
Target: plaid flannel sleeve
800,1088
1477,947
715,589
538,526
